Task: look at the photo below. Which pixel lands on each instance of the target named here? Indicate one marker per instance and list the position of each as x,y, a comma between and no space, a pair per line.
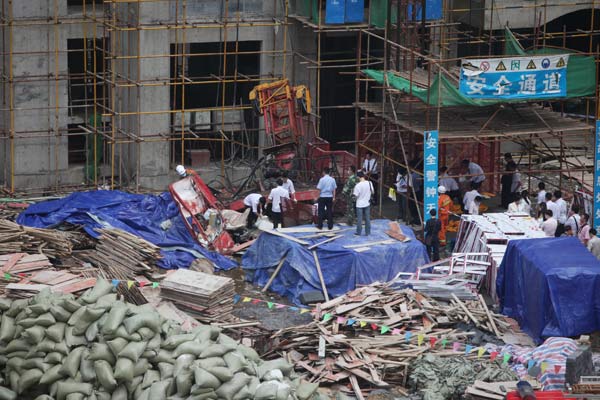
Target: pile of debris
11,210
53,243
98,347
372,334
208,298
126,255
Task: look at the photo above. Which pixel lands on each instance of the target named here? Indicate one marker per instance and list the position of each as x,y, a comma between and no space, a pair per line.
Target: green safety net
581,72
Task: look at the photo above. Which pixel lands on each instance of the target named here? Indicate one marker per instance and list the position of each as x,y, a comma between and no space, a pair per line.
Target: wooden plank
14,258
314,246
489,315
480,393
272,278
356,388
465,309
320,273
377,243
288,237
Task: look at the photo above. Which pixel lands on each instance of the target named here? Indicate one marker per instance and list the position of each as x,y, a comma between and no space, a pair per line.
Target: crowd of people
360,191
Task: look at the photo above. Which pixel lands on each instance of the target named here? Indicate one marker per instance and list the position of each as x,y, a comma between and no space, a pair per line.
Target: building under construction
117,92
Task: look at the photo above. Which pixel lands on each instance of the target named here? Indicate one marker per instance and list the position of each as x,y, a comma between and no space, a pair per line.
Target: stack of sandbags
97,347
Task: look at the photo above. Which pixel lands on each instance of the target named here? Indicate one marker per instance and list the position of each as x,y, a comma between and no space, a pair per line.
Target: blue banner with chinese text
430,172
515,77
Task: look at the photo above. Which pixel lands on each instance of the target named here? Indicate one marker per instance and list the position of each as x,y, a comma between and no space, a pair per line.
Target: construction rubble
100,347
87,317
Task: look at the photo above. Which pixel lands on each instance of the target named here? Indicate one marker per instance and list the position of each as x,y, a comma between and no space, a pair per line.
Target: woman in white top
473,208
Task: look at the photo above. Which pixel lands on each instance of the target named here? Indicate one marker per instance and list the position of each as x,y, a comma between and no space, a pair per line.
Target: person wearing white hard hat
183,172
444,205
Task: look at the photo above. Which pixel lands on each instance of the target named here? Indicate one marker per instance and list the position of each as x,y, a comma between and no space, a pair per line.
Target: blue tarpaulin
138,214
343,269
550,287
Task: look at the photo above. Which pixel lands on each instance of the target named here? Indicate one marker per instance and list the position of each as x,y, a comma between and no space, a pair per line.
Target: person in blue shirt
327,186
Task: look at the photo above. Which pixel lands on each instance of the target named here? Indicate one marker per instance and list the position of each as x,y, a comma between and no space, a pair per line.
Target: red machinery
201,213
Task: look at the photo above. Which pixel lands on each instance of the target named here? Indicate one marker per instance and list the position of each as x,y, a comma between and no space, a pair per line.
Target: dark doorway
81,84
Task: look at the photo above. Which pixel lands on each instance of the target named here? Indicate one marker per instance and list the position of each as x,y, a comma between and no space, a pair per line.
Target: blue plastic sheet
550,287
343,269
138,214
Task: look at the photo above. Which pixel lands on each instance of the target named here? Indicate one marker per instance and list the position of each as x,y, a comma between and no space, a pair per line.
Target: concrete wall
522,14
41,160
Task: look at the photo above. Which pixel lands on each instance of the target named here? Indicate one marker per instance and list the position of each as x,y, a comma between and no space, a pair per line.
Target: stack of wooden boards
348,346
128,255
208,298
15,238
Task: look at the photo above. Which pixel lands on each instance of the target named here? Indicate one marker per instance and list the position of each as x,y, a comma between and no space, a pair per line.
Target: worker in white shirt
276,198
593,244
470,196
551,205
563,211
327,187
574,220
474,206
474,172
541,195
363,191
370,168
517,206
402,184
289,186
515,187
256,203
550,224
449,183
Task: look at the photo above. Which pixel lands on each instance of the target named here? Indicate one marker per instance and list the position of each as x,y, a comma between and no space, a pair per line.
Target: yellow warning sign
531,65
501,67
560,63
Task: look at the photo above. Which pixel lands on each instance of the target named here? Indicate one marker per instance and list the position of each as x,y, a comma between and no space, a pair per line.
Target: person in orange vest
444,205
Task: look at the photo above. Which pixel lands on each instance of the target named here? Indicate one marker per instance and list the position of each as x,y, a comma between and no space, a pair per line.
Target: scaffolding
548,140
157,80
138,86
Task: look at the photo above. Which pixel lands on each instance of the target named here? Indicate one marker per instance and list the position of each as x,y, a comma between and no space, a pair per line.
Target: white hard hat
180,170
441,189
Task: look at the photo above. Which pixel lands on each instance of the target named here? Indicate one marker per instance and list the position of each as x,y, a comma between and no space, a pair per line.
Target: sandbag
37,362
70,305
65,388
85,319
56,332
229,389
146,333
123,370
34,334
210,362
53,357
141,367
106,301
133,350
115,317
92,331
120,393
248,352
52,375
59,313
306,390
222,373
244,394
44,397
190,347
166,370
16,307
75,396
29,378
158,390
116,345
172,342
205,379
216,350
72,340
184,382
86,368
235,361
7,394
279,364
182,363
148,320
71,364
134,383
101,288
150,377
7,328
104,374
101,351
165,356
